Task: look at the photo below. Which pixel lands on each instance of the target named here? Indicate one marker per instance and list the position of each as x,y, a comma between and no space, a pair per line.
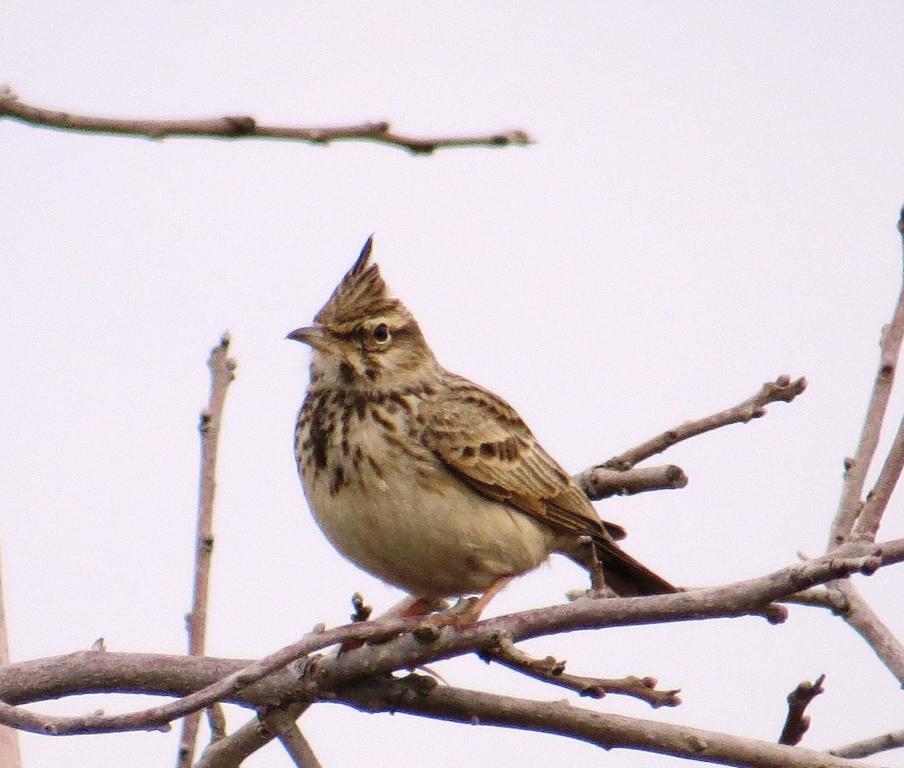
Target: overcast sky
711,201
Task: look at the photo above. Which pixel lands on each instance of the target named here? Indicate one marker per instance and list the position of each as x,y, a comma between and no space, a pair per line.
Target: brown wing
481,439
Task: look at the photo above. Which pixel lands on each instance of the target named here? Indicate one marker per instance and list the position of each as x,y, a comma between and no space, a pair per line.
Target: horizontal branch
244,127
550,670
243,683
558,717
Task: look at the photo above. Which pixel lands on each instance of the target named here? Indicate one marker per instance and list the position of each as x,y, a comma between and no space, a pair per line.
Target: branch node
774,613
241,125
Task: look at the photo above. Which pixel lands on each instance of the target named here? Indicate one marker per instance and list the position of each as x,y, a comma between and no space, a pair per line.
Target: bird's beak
314,336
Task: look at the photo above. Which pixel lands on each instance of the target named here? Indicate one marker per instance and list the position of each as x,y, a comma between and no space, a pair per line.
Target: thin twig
551,670
245,127
797,723
867,525
752,408
867,747
222,372
9,738
856,468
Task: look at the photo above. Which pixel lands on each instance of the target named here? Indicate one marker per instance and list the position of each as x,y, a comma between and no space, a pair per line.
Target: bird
424,479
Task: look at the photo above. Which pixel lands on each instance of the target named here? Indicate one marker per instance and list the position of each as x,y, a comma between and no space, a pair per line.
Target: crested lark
425,479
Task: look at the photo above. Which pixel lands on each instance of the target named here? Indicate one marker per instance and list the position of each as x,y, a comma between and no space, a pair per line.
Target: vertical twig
9,738
797,722
856,468
221,374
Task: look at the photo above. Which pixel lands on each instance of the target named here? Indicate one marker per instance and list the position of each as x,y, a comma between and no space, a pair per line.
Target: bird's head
363,336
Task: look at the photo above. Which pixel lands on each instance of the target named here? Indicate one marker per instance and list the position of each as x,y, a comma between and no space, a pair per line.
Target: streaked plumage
423,478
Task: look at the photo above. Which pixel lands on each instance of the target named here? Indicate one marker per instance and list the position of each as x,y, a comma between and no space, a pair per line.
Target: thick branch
857,467
221,375
605,730
245,127
752,408
234,681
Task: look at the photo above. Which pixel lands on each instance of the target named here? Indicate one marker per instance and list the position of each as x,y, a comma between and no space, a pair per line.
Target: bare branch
222,369
216,721
9,739
864,620
158,718
552,671
25,681
857,467
752,408
231,751
605,730
820,597
601,482
282,722
867,525
867,747
797,723
245,127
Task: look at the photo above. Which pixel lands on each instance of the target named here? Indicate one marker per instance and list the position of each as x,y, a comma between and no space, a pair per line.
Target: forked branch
400,647
850,505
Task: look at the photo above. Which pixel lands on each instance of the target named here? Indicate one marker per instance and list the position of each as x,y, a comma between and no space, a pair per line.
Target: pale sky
711,202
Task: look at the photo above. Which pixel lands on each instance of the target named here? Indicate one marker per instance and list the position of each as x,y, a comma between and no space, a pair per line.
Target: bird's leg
463,614
472,614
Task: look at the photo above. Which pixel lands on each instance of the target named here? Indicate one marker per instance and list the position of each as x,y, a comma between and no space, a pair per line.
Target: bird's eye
380,333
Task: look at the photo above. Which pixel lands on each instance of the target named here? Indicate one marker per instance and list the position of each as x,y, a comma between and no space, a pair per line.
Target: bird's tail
623,574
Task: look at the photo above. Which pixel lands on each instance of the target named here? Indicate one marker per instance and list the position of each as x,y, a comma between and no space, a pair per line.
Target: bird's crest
361,293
